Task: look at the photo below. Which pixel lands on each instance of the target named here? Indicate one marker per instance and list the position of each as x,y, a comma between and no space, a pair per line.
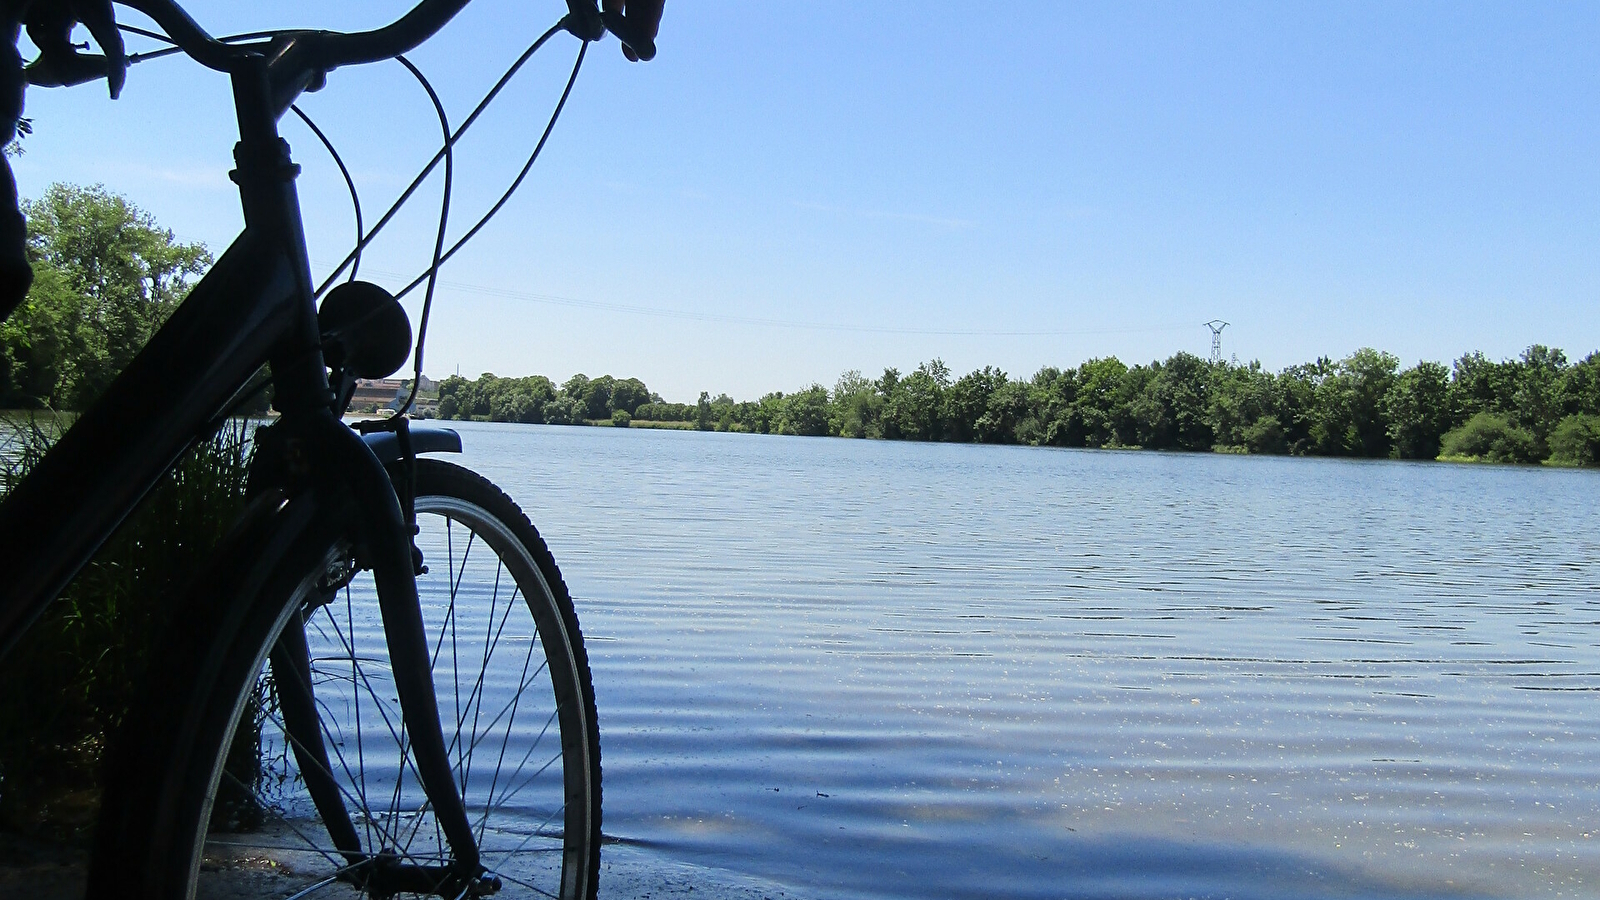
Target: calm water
866,669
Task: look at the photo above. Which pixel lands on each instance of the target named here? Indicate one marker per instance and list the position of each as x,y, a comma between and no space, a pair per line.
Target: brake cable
453,138
516,183
438,241
355,198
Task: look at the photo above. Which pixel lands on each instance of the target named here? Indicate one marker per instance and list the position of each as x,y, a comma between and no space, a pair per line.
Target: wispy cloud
208,176
941,221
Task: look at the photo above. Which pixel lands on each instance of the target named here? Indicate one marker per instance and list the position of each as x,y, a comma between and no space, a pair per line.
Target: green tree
576,387
702,412
888,385
1008,408
563,410
628,395
914,411
1418,407
806,413
1536,396
106,278
1244,410
1580,387
37,344
1052,394
1295,402
1481,385
657,411
767,415
597,397
1172,410
856,407
967,401
1100,410
1348,419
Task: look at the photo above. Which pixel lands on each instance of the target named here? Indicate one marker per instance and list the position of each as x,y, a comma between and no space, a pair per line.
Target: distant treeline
1538,407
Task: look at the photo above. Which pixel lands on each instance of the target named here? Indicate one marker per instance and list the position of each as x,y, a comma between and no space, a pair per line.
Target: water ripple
888,670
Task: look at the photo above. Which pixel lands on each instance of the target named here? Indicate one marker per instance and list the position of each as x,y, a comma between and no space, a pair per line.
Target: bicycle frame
256,306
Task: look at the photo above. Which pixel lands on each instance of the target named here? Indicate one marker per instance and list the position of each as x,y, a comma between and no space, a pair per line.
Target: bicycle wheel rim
515,720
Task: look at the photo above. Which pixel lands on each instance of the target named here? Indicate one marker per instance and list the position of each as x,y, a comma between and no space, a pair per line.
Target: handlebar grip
643,45
66,71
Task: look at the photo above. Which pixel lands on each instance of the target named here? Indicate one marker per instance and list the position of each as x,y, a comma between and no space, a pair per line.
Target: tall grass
69,683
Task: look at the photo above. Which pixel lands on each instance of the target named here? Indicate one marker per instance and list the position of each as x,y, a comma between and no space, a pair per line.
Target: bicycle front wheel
516,705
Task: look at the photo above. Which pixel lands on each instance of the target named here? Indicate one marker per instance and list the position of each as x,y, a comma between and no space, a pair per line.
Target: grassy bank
643,423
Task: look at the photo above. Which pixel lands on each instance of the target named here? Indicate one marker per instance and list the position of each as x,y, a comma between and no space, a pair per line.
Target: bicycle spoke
332,855
478,685
338,751
359,802
529,780
520,883
520,690
474,699
500,762
361,756
513,851
365,680
477,709
382,707
404,763
455,649
326,882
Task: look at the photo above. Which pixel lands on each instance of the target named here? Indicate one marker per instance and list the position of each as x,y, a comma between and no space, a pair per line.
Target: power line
691,316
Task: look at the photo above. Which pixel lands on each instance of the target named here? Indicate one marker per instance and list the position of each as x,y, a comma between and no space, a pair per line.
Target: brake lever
59,63
587,23
68,70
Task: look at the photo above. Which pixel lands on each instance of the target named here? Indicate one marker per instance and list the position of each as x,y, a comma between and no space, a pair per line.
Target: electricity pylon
1216,326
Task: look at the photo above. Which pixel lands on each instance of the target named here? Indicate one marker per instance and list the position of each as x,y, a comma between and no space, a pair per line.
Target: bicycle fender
385,445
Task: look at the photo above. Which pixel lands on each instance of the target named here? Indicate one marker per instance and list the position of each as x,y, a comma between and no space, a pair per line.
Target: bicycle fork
342,462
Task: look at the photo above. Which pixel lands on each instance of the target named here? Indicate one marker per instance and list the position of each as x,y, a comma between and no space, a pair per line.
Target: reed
70,682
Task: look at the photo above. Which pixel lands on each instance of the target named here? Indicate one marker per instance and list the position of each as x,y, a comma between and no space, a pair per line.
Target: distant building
379,394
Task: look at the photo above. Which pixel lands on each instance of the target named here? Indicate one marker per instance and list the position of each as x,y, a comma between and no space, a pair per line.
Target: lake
835,668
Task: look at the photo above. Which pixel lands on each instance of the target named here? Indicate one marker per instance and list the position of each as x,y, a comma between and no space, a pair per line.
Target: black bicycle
391,627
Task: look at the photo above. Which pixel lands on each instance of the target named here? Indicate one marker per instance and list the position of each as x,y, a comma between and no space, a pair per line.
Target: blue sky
793,190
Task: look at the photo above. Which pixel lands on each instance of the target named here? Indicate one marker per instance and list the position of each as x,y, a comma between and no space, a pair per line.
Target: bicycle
350,577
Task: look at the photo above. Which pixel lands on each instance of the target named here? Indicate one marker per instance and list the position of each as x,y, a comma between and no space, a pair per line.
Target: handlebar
301,58
318,50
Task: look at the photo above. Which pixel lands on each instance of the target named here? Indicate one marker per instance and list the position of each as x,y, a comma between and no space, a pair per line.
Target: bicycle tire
166,837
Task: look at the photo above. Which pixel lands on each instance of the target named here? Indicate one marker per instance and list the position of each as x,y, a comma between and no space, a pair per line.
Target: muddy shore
44,871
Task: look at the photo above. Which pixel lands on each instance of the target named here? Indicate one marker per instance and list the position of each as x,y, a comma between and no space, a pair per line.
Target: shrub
1490,438
664,412
1265,435
621,419
564,411
1576,441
